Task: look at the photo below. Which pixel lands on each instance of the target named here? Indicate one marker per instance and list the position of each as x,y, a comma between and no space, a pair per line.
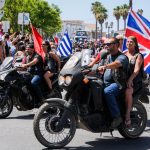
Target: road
16,133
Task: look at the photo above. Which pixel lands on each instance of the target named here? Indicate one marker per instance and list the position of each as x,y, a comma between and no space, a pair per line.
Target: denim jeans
110,93
35,84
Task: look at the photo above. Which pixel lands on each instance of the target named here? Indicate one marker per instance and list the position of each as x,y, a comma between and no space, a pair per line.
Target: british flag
139,27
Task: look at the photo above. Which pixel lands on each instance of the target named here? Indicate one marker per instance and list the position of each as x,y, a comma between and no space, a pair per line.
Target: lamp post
109,26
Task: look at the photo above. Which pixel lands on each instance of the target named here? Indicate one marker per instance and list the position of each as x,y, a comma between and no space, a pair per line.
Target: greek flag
65,46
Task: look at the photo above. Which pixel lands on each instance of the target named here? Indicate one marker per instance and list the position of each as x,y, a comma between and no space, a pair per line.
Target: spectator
2,49
120,38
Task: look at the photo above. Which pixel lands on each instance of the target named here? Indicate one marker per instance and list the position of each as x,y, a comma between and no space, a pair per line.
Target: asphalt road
16,133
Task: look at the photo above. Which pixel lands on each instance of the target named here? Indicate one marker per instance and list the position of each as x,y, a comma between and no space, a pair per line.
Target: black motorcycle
83,106
16,89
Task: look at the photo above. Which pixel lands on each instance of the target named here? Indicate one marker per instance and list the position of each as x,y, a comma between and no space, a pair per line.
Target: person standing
2,50
7,43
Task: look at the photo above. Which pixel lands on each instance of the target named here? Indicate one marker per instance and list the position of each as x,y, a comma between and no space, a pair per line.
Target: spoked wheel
138,122
45,126
6,106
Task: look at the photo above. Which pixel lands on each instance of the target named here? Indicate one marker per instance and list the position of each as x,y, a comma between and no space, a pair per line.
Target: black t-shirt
50,64
36,69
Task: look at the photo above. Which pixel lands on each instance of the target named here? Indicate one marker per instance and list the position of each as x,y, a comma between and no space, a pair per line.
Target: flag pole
130,4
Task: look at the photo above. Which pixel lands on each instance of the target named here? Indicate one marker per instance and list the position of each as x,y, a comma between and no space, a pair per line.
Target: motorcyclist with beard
35,66
115,77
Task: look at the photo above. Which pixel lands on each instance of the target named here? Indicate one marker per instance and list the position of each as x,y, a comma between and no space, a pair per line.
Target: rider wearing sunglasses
114,77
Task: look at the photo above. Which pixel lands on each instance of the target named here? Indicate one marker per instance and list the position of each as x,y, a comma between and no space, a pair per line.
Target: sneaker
116,122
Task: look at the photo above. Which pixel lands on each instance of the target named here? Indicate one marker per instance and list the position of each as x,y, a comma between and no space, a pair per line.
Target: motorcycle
56,121
16,89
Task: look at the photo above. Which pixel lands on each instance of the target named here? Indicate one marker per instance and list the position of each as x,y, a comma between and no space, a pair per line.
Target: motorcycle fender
58,100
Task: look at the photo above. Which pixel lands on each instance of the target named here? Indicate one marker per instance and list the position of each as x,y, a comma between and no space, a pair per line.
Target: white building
71,26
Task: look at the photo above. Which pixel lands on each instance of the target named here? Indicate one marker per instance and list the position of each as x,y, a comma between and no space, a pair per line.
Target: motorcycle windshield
7,63
86,57
72,62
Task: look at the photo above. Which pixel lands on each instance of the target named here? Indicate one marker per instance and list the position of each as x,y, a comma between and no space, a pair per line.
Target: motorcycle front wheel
45,126
6,106
138,122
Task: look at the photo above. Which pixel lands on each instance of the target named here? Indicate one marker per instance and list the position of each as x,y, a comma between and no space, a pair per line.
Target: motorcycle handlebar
86,69
9,70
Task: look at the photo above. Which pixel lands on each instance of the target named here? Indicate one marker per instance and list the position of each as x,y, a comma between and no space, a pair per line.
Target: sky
81,9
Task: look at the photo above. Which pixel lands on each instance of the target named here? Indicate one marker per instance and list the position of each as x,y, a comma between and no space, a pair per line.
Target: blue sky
81,9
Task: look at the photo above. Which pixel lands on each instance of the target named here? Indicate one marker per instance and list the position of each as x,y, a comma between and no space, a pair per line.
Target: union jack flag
139,27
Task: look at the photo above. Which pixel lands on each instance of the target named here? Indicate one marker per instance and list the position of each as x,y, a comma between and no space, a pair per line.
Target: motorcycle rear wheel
47,133
6,107
138,122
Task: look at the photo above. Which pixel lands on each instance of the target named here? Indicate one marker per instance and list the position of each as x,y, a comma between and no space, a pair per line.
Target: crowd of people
18,46
120,71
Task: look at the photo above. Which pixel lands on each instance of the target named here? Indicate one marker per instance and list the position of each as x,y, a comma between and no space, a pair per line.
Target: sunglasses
44,44
108,44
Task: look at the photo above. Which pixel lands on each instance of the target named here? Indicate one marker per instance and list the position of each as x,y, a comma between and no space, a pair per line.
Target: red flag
37,42
56,40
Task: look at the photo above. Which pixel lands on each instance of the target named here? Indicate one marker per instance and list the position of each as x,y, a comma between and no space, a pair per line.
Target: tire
138,122
49,126
6,107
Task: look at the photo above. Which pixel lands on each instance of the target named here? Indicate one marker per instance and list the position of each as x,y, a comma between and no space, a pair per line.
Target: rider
134,82
52,63
114,77
35,67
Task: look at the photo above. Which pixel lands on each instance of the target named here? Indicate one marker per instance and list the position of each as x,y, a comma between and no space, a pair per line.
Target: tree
94,9
100,14
117,14
56,8
42,15
124,13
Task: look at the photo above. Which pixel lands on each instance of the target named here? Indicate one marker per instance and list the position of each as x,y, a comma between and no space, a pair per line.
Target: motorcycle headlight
61,80
68,80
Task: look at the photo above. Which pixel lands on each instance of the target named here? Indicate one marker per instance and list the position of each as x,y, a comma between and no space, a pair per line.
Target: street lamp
108,26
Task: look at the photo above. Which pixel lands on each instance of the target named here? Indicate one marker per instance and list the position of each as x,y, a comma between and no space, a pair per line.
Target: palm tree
101,18
117,14
140,11
100,14
124,13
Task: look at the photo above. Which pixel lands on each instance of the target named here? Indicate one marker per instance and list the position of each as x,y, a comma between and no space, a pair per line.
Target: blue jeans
110,93
35,84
